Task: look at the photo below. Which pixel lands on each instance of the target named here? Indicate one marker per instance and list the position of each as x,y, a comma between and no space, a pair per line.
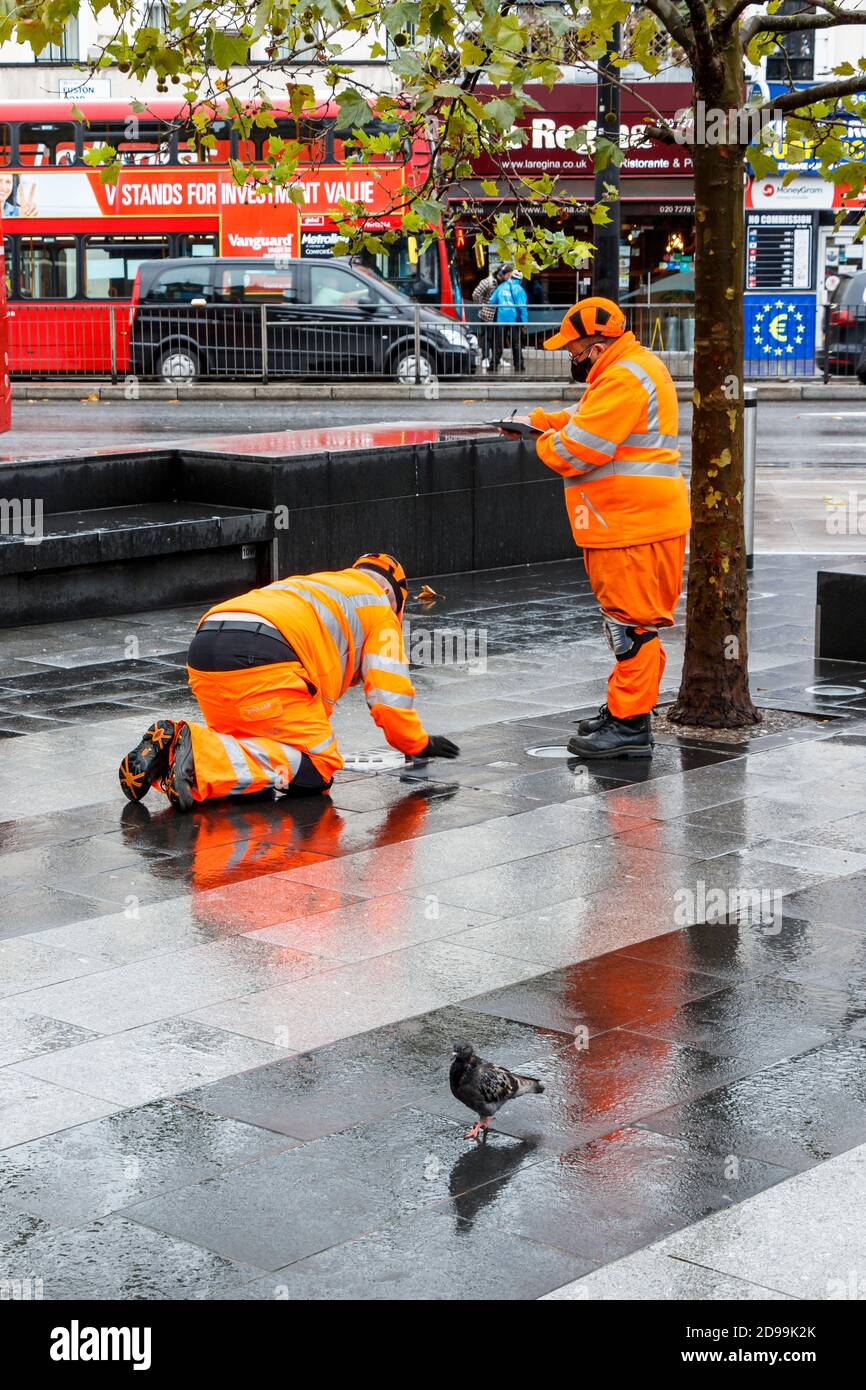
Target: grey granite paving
223,1060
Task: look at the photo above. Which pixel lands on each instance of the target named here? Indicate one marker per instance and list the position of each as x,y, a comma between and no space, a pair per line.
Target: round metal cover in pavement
549,750
835,691
380,760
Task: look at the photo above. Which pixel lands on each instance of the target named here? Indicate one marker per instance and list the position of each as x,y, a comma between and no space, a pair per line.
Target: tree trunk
715,683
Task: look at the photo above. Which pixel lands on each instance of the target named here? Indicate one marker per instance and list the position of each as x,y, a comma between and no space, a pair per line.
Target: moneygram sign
570,109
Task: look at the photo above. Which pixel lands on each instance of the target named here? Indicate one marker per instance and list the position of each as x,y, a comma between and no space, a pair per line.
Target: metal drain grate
380,760
549,750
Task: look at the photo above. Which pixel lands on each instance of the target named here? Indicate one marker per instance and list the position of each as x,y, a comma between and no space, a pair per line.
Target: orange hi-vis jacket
618,453
344,630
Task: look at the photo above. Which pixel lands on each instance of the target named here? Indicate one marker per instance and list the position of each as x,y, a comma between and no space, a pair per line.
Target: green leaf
354,110
229,50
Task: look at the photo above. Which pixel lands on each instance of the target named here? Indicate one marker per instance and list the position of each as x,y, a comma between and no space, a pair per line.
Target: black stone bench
117,559
840,617
198,520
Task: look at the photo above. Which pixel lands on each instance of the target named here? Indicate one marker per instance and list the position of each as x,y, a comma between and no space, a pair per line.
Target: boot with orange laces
148,762
179,779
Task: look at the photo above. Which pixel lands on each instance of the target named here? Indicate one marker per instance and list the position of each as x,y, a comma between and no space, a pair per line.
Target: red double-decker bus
73,244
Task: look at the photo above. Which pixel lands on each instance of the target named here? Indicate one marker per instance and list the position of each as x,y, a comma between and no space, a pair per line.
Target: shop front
656,194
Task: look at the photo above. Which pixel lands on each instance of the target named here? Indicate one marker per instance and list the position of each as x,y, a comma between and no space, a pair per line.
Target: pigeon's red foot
474,1132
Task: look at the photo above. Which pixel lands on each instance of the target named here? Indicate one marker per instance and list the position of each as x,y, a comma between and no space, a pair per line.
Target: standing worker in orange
267,669
628,507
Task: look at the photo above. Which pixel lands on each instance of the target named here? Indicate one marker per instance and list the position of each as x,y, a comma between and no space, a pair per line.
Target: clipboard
518,428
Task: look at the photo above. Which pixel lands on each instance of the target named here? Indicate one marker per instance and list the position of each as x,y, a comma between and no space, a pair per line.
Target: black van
209,317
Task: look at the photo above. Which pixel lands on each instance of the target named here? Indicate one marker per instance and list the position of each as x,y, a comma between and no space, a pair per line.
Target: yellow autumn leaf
712,498
428,595
726,564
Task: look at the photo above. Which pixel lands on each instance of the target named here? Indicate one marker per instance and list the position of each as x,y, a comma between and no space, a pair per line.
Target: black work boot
180,777
617,738
594,723
148,762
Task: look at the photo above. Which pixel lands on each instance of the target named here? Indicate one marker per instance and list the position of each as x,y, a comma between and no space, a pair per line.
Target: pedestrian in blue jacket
510,301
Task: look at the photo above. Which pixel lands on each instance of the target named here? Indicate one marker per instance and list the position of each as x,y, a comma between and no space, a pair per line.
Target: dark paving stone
840,903
77,677
618,1079
60,827
271,1212
361,1078
796,1113
610,991
611,1196
757,1023
16,725
58,865
98,709
742,950
435,1256
36,909
74,1176
117,1259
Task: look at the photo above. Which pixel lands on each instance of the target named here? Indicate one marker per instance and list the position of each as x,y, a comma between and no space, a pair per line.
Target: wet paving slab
223,1064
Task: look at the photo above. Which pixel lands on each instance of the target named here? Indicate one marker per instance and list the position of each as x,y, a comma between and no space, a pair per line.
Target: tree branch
796,23
808,96
727,21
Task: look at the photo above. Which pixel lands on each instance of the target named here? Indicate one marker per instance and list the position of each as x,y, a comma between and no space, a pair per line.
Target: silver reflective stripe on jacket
328,619
646,381
650,441
326,743
644,468
383,663
348,603
589,440
388,697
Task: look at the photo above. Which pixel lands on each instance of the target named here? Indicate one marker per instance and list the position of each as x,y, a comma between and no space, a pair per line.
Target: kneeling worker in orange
267,669
629,510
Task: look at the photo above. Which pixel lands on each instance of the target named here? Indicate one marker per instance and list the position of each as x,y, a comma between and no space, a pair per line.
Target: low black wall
454,504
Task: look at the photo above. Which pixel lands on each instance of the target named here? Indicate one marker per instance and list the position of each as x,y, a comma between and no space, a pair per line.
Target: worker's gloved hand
439,747
538,417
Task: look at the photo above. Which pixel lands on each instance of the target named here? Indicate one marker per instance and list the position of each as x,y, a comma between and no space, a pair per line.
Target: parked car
209,317
846,325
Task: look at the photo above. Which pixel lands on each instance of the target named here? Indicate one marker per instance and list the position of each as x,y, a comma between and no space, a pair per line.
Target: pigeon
484,1087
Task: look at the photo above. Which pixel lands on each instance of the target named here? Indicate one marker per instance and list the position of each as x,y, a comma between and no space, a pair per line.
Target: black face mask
580,370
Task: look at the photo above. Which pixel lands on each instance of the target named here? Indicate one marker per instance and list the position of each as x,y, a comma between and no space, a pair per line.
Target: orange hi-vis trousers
258,722
637,586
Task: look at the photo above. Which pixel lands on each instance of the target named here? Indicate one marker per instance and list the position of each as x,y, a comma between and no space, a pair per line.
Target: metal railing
268,342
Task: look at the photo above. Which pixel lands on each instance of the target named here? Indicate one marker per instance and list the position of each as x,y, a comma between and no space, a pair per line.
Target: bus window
47,267
262,284
110,263
8,252
196,244
182,284
346,147
308,133
195,148
46,143
136,141
5,144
